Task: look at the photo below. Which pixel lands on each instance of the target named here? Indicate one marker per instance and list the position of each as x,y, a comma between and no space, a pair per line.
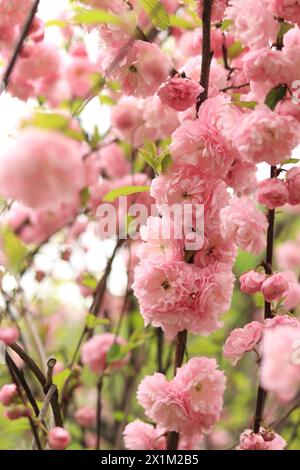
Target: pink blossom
179,93
264,135
163,290
142,436
274,287
187,402
272,193
251,281
287,9
9,334
158,235
37,75
15,412
7,393
95,350
86,416
218,9
143,70
253,23
244,224
264,440
242,340
292,294
216,249
113,161
266,68
79,73
42,170
280,370
281,320
288,255
203,146
126,116
293,181
58,438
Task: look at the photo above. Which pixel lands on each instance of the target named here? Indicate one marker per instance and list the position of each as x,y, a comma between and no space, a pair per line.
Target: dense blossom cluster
171,144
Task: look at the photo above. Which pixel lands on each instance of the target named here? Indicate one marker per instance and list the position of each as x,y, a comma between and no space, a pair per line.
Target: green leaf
60,378
275,95
124,191
105,99
290,161
88,280
58,23
84,196
91,321
284,28
245,104
84,16
156,12
235,49
14,250
183,23
226,24
158,163
49,120
114,354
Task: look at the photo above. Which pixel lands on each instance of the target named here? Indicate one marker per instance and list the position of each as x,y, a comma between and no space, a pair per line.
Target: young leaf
15,251
156,12
275,95
84,16
124,191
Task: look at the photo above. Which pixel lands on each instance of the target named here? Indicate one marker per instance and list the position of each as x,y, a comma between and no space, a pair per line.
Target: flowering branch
19,45
206,52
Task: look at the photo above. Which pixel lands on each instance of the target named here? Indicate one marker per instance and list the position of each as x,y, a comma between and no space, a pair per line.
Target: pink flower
251,282
7,393
9,334
42,170
163,290
126,116
58,438
288,255
264,135
113,161
193,400
244,224
264,440
287,9
293,181
143,70
281,320
37,75
142,436
253,24
272,193
158,235
242,340
95,350
274,287
86,416
280,370
79,73
218,9
179,93
267,68
292,294
196,143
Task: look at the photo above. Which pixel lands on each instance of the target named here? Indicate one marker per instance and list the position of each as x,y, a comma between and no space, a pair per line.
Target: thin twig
19,45
206,52
99,413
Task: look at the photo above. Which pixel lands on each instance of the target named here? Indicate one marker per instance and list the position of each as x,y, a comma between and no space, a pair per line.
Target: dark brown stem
261,394
160,345
14,372
19,45
181,338
42,380
99,412
206,52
